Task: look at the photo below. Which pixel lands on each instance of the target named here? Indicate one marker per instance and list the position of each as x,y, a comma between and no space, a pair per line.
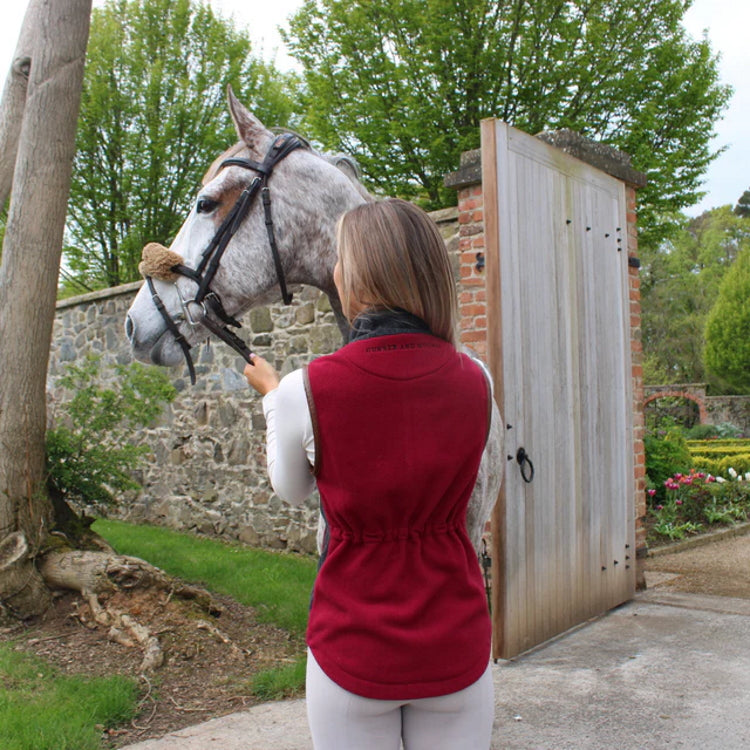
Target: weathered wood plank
560,348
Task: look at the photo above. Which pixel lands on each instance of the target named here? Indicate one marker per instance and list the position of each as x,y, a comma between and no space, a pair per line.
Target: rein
196,311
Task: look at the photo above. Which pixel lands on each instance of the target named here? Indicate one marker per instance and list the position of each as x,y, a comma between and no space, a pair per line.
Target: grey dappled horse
308,192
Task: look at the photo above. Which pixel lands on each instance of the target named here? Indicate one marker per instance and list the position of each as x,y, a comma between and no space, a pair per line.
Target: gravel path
720,568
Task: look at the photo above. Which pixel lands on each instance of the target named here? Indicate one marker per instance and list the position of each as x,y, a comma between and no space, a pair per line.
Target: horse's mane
347,164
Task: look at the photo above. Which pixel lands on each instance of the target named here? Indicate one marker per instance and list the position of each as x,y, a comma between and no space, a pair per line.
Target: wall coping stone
468,173
610,160
114,291
444,214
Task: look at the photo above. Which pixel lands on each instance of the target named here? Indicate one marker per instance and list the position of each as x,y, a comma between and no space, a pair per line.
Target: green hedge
720,465
718,456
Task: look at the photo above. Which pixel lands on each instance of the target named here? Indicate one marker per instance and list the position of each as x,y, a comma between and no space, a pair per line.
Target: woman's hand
261,375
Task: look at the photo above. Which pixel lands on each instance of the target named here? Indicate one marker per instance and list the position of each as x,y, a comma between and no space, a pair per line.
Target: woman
392,428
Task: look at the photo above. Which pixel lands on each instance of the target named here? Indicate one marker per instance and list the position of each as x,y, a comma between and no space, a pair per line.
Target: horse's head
308,192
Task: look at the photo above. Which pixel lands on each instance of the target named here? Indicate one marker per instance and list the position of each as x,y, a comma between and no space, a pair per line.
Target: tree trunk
30,266
14,98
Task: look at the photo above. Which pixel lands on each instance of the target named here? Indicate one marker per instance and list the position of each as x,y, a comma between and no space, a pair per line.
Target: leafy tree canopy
403,84
153,117
680,283
743,205
727,352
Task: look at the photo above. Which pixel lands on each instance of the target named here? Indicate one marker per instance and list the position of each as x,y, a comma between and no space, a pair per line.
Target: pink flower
678,476
700,475
659,507
651,493
678,502
710,478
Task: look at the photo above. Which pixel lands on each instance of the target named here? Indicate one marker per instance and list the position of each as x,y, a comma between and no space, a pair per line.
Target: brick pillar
639,420
472,298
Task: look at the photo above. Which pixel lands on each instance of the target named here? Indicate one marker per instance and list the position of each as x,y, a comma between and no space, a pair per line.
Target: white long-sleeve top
290,452
290,444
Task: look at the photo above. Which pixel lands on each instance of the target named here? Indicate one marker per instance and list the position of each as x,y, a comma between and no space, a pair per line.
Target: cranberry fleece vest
398,610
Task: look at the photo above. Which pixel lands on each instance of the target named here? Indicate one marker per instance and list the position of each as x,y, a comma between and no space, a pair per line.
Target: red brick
475,309
466,270
469,204
474,336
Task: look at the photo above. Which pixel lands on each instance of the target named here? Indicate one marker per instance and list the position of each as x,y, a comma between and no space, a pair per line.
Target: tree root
104,573
101,574
237,652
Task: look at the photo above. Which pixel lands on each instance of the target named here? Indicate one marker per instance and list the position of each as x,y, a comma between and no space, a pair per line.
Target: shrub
728,430
666,456
702,432
89,451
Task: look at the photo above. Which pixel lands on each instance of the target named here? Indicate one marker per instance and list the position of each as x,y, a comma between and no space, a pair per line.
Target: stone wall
733,409
712,409
206,467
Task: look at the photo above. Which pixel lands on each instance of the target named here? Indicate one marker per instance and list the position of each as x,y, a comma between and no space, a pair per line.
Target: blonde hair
391,255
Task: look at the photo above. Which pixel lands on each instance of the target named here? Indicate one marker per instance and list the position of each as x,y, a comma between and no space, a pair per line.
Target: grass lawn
42,709
278,584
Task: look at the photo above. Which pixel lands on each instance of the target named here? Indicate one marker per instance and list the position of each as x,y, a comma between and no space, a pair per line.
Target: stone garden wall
206,467
714,410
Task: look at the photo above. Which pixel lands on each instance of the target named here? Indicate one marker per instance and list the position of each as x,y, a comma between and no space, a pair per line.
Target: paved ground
667,670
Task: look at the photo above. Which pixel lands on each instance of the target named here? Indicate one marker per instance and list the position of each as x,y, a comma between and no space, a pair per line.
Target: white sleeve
290,444
491,470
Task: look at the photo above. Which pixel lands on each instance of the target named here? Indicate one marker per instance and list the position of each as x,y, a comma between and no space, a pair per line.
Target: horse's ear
249,128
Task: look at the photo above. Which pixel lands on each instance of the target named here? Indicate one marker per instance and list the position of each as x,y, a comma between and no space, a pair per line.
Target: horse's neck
313,235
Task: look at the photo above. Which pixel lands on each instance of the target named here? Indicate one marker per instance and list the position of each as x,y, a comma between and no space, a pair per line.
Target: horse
239,252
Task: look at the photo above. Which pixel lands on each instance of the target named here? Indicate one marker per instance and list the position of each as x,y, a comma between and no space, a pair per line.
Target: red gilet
399,610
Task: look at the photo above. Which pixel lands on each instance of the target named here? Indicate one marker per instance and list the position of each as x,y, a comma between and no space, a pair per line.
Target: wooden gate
559,349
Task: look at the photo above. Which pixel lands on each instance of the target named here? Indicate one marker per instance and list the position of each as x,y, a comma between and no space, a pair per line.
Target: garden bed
696,502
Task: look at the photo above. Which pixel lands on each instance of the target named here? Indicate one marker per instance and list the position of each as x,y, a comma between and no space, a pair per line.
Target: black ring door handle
526,466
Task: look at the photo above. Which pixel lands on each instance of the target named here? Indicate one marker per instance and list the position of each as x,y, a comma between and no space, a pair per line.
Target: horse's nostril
129,328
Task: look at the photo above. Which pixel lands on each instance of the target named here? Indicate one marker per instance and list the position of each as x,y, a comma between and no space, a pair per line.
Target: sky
724,21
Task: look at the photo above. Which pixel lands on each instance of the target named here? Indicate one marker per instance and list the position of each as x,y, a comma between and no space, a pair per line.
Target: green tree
153,117
680,282
727,352
403,84
743,205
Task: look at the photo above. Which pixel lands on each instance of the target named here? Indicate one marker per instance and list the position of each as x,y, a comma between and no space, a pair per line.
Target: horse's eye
205,205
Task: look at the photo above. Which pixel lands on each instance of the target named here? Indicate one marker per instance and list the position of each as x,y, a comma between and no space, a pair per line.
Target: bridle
196,311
